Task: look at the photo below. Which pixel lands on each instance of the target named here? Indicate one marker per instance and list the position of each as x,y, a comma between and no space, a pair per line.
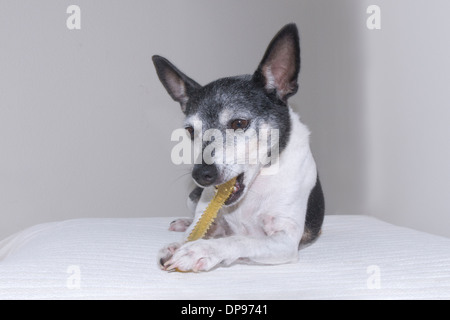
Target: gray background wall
408,103
85,125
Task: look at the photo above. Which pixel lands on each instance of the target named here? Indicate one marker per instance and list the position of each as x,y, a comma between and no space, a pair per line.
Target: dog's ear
179,86
279,68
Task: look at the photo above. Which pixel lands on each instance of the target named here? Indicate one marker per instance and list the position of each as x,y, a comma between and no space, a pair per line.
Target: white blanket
356,257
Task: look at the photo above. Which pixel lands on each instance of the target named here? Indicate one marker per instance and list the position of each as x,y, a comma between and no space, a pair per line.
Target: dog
268,217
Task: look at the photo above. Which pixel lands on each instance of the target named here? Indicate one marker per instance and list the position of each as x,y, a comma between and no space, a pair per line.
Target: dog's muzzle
238,190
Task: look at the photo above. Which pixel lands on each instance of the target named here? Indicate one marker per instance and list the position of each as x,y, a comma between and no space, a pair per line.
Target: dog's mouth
238,190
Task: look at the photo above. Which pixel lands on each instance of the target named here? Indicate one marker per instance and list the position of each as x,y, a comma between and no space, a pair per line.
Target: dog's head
254,107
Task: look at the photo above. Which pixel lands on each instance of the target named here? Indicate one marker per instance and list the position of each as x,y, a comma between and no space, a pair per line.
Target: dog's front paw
180,225
166,253
194,256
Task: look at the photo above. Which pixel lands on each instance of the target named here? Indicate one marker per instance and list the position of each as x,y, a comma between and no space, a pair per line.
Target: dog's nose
205,174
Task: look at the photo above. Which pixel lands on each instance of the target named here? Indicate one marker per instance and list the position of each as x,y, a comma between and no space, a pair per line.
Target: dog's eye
190,132
239,124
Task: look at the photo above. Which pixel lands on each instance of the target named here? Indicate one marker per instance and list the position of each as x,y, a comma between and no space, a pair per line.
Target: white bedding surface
356,257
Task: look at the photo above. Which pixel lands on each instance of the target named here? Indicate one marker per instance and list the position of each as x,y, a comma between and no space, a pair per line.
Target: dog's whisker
180,177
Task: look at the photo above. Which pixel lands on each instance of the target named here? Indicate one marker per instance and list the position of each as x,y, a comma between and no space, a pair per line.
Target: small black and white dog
267,216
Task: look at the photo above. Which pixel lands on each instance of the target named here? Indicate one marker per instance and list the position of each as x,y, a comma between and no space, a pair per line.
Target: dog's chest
246,218
244,221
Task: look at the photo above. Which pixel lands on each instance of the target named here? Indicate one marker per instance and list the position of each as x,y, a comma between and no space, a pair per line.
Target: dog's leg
181,225
219,227
279,245
193,199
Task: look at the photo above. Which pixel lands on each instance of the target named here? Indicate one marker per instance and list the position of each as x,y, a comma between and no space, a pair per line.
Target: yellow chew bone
207,218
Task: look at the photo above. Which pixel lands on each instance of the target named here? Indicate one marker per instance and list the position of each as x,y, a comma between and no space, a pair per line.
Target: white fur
271,83
225,116
192,120
267,224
